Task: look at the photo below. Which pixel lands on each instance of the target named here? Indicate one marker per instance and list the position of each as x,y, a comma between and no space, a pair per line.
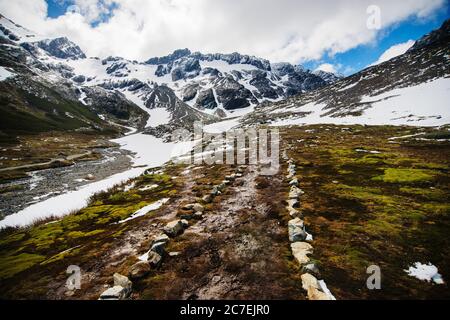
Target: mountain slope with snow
164,92
411,89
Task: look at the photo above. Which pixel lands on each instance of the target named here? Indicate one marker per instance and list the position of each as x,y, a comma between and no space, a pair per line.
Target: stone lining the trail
153,258
120,291
301,250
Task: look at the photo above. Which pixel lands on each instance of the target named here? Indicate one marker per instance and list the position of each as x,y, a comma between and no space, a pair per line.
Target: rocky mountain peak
177,54
437,36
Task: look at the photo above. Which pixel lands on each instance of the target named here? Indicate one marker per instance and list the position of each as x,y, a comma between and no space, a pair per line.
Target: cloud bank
284,30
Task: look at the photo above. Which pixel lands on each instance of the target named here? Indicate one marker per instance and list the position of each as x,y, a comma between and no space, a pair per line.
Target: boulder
294,203
296,229
294,213
198,215
300,251
90,177
114,293
294,182
140,269
312,269
154,259
162,238
124,282
159,248
295,192
185,223
173,228
215,191
198,207
174,254
311,285
207,199
296,223
231,177
188,206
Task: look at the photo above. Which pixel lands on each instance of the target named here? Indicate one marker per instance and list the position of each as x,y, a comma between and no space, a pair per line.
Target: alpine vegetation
203,150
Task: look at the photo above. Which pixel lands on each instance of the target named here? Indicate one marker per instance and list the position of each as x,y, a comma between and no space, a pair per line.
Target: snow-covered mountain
411,89
173,90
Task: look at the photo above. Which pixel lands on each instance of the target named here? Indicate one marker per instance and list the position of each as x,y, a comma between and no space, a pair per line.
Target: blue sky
363,55
346,63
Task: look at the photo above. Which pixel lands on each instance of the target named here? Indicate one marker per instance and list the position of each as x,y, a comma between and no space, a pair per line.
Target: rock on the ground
173,228
114,293
189,206
140,269
294,203
312,287
184,223
122,281
294,213
198,215
295,192
207,199
198,207
294,182
301,251
215,191
231,177
174,254
312,269
159,248
161,238
296,230
154,259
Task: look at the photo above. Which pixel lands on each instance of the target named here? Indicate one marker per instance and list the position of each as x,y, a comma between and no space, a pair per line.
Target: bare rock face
206,100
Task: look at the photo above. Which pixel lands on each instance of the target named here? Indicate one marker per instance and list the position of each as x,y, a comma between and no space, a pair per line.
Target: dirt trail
237,251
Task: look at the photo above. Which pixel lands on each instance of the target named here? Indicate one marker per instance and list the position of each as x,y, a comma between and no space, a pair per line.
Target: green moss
12,238
393,175
365,194
427,193
438,209
370,160
61,256
155,179
124,197
80,234
44,236
12,265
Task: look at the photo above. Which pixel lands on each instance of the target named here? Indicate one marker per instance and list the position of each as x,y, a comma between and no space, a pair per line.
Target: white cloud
394,51
283,30
327,67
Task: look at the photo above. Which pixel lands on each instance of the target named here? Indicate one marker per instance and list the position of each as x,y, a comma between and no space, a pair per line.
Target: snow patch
5,74
143,211
425,272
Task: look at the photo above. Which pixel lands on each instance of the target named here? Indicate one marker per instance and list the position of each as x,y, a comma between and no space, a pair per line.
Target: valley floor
372,196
